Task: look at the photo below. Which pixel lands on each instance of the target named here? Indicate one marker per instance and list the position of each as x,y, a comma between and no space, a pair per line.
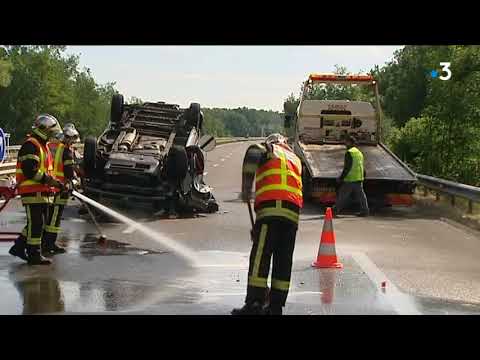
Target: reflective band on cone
327,256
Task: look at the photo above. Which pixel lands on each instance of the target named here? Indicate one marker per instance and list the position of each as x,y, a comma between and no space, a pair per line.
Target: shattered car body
152,155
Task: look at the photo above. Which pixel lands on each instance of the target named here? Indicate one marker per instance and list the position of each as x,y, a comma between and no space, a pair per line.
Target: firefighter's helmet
69,135
276,138
46,126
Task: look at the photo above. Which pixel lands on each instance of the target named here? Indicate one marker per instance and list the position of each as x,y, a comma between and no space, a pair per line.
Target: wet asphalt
429,265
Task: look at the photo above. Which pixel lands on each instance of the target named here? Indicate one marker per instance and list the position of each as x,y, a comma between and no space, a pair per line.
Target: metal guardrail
453,189
8,167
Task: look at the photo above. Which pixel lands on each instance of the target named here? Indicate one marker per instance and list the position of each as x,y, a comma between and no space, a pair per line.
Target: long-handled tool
101,236
250,211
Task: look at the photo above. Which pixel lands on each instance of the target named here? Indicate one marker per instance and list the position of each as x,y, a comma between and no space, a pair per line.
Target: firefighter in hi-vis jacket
36,185
278,199
63,171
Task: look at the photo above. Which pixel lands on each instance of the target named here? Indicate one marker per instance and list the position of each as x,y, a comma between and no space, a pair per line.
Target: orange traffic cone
327,256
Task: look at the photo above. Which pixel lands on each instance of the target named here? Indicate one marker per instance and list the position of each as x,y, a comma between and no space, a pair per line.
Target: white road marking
205,173
78,220
222,159
215,165
400,302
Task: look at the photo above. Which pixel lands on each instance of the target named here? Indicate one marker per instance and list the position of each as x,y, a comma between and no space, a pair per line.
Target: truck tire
177,163
116,108
194,115
89,155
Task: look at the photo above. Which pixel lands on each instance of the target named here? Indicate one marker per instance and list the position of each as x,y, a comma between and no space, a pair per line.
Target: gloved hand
49,180
76,184
67,188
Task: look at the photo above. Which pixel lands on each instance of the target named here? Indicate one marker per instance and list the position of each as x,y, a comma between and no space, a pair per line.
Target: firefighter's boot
18,248
49,247
249,309
34,257
273,310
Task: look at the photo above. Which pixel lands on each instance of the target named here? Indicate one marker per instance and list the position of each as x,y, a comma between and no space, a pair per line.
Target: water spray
183,251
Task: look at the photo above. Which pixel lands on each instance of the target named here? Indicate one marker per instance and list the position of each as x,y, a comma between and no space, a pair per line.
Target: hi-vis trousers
37,216
55,211
272,236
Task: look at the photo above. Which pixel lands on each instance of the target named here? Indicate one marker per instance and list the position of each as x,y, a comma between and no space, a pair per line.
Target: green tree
44,79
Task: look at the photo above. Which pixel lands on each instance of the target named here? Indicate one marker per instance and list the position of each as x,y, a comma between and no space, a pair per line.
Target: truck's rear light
399,199
324,197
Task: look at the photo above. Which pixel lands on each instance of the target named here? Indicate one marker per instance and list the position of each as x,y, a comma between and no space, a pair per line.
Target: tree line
44,79
432,125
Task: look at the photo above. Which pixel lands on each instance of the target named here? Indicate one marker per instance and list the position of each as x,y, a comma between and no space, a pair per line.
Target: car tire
116,108
177,163
194,115
89,155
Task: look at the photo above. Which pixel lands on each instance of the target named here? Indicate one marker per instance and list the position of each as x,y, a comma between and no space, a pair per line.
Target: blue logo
434,74
3,146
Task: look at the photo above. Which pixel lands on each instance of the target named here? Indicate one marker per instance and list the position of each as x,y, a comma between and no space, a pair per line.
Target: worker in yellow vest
278,199
63,171
36,185
351,180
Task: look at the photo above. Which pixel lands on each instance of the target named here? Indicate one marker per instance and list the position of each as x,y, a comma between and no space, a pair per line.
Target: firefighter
351,179
278,200
63,171
35,186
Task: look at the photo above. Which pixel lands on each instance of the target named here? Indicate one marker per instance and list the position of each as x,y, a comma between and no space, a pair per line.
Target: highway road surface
430,265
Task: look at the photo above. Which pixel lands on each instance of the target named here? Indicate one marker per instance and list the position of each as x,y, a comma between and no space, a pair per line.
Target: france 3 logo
3,146
445,69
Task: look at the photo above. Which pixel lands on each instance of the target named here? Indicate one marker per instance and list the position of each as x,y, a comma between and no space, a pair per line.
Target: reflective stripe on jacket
45,166
280,178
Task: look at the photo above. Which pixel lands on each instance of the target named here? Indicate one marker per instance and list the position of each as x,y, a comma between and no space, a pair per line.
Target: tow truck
318,129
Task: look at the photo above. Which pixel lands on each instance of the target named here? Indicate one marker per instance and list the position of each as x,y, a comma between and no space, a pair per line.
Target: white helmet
70,135
46,126
275,138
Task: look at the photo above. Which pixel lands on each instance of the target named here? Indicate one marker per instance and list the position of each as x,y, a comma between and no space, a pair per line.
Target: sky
258,77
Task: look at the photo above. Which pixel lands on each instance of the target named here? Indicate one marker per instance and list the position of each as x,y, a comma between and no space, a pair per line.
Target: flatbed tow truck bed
388,180
326,161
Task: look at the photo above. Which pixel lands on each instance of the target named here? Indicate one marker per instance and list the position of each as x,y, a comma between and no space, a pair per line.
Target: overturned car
152,155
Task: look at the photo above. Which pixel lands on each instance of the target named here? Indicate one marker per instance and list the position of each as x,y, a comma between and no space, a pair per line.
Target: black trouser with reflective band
55,211
37,216
272,236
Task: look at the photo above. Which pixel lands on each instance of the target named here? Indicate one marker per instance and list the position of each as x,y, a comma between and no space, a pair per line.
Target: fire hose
8,193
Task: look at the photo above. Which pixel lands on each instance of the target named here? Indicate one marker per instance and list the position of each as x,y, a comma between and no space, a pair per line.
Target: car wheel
194,115
116,108
89,155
